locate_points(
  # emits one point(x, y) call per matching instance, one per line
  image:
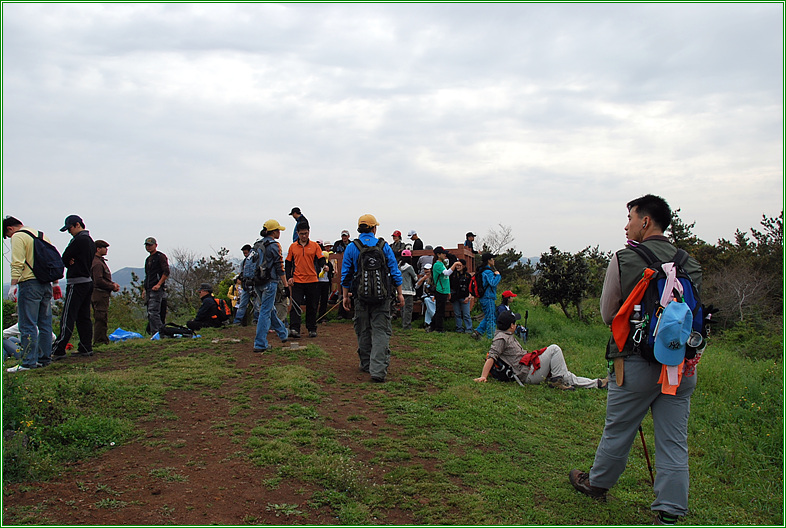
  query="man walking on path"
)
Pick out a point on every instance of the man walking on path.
point(634, 386)
point(372, 320)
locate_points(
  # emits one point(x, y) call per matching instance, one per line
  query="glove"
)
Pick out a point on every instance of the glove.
point(56, 292)
point(12, 292)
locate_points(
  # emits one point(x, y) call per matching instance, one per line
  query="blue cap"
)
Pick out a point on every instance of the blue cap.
point(674, 328)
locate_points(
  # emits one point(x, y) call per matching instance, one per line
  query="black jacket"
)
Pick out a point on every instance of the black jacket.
point(208, 311)
point(81, 249)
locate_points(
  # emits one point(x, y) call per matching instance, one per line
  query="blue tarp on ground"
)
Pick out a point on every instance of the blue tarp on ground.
point(122, 335)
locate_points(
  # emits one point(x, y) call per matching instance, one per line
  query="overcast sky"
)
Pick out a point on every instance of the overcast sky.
point(195, 123)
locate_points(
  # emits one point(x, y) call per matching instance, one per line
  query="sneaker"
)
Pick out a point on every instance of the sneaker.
point(260, 350)
point(294, 333)
point(476, 335)
point(557, 383)
point(580, 481)
point(377, 380)
point(664, 519)
point(18, 368)
point(312, 333)
point(58, 357)
point(83, 354)
point(603, 383)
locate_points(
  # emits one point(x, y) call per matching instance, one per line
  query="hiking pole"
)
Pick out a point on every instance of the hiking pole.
point(324, 314)
point(646, 455)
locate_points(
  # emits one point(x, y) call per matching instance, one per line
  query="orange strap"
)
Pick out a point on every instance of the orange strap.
point(620, 326)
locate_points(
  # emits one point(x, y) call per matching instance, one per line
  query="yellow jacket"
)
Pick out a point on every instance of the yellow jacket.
point(21, 252)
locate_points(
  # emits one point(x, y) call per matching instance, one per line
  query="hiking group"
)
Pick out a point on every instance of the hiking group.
point(650, 299)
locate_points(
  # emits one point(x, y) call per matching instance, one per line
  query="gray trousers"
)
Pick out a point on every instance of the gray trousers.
point(552, 363)
point(625, 409)
point(373, 329)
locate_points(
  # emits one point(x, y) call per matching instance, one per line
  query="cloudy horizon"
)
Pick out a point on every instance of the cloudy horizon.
point(195, 123)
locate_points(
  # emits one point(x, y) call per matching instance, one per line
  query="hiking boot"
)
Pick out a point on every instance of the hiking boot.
point(581, 482)
point(377, 380)
point(558, 383)
point(260, 350)
point(476, 335)
point(312, 333)
point(294, 333)
point(83, 354)
point(58, 357)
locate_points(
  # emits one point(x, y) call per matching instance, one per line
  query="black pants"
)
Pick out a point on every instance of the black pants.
point(304, 293)
point(76, 311)
point(197, 325)
point(438, 321)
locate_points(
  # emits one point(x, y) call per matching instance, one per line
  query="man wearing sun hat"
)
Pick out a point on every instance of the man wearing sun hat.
point(636, 385)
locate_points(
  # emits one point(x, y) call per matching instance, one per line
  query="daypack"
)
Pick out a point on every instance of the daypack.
point(47, 262)
point(174, 330)
point(224, 310)
point(372, 278)
point(501, 371)
point(639, 337)
point(256, 269)
point(476, 287)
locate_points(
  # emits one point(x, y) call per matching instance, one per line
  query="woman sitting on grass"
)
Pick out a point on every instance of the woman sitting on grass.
point(532, 367)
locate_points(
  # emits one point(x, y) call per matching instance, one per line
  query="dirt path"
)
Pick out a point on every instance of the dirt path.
point(200, 472)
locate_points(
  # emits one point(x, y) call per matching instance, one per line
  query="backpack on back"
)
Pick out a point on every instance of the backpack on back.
point(224, 310)
point(476, 288)
point(501, 371)
point(661, 283)
point(372, 278)
point(256, 269)
point(47, 262)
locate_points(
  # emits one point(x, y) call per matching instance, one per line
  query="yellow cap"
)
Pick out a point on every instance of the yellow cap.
point(273, 225)
point(368, 220)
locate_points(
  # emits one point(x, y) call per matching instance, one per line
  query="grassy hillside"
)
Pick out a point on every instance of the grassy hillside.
point(450, 451)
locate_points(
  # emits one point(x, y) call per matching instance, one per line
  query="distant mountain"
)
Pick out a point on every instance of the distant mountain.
point(123, 276)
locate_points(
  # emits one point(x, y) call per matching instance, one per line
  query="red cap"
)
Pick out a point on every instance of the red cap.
point(396, 233)
point(508, 293)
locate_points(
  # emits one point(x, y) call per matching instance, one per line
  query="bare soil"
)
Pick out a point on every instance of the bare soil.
point(220, 485)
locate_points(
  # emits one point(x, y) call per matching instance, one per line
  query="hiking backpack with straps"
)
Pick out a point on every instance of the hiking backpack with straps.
point(47, 262)
point(501, 371)
point(255, 269)
point(224, 310)
point(638, 337)
point(372, 278)
point(476, 288)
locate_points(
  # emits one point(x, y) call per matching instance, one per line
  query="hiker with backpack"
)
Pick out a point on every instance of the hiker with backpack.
point(483, 286)
point(78, 259)
point(369, 278)
point(507, 359)
point(35, 266)
point(269, 266)
point(247, 291)
point(212, 312)
point(460, 297)
point(641, 380)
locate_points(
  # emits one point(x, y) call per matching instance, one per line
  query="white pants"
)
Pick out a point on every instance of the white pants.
point(552, 363)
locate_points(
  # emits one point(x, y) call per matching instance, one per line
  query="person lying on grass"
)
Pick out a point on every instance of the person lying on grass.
point(532, 367)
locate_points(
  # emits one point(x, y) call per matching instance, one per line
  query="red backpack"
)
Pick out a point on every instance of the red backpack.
point(476, 288)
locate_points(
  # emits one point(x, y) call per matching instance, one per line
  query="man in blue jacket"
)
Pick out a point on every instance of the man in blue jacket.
point(372, 319)
point(490, 277)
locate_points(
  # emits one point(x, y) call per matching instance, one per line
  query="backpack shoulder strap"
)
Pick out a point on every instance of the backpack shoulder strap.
point(680, 258)
point(358, 244)
point(645, 253)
